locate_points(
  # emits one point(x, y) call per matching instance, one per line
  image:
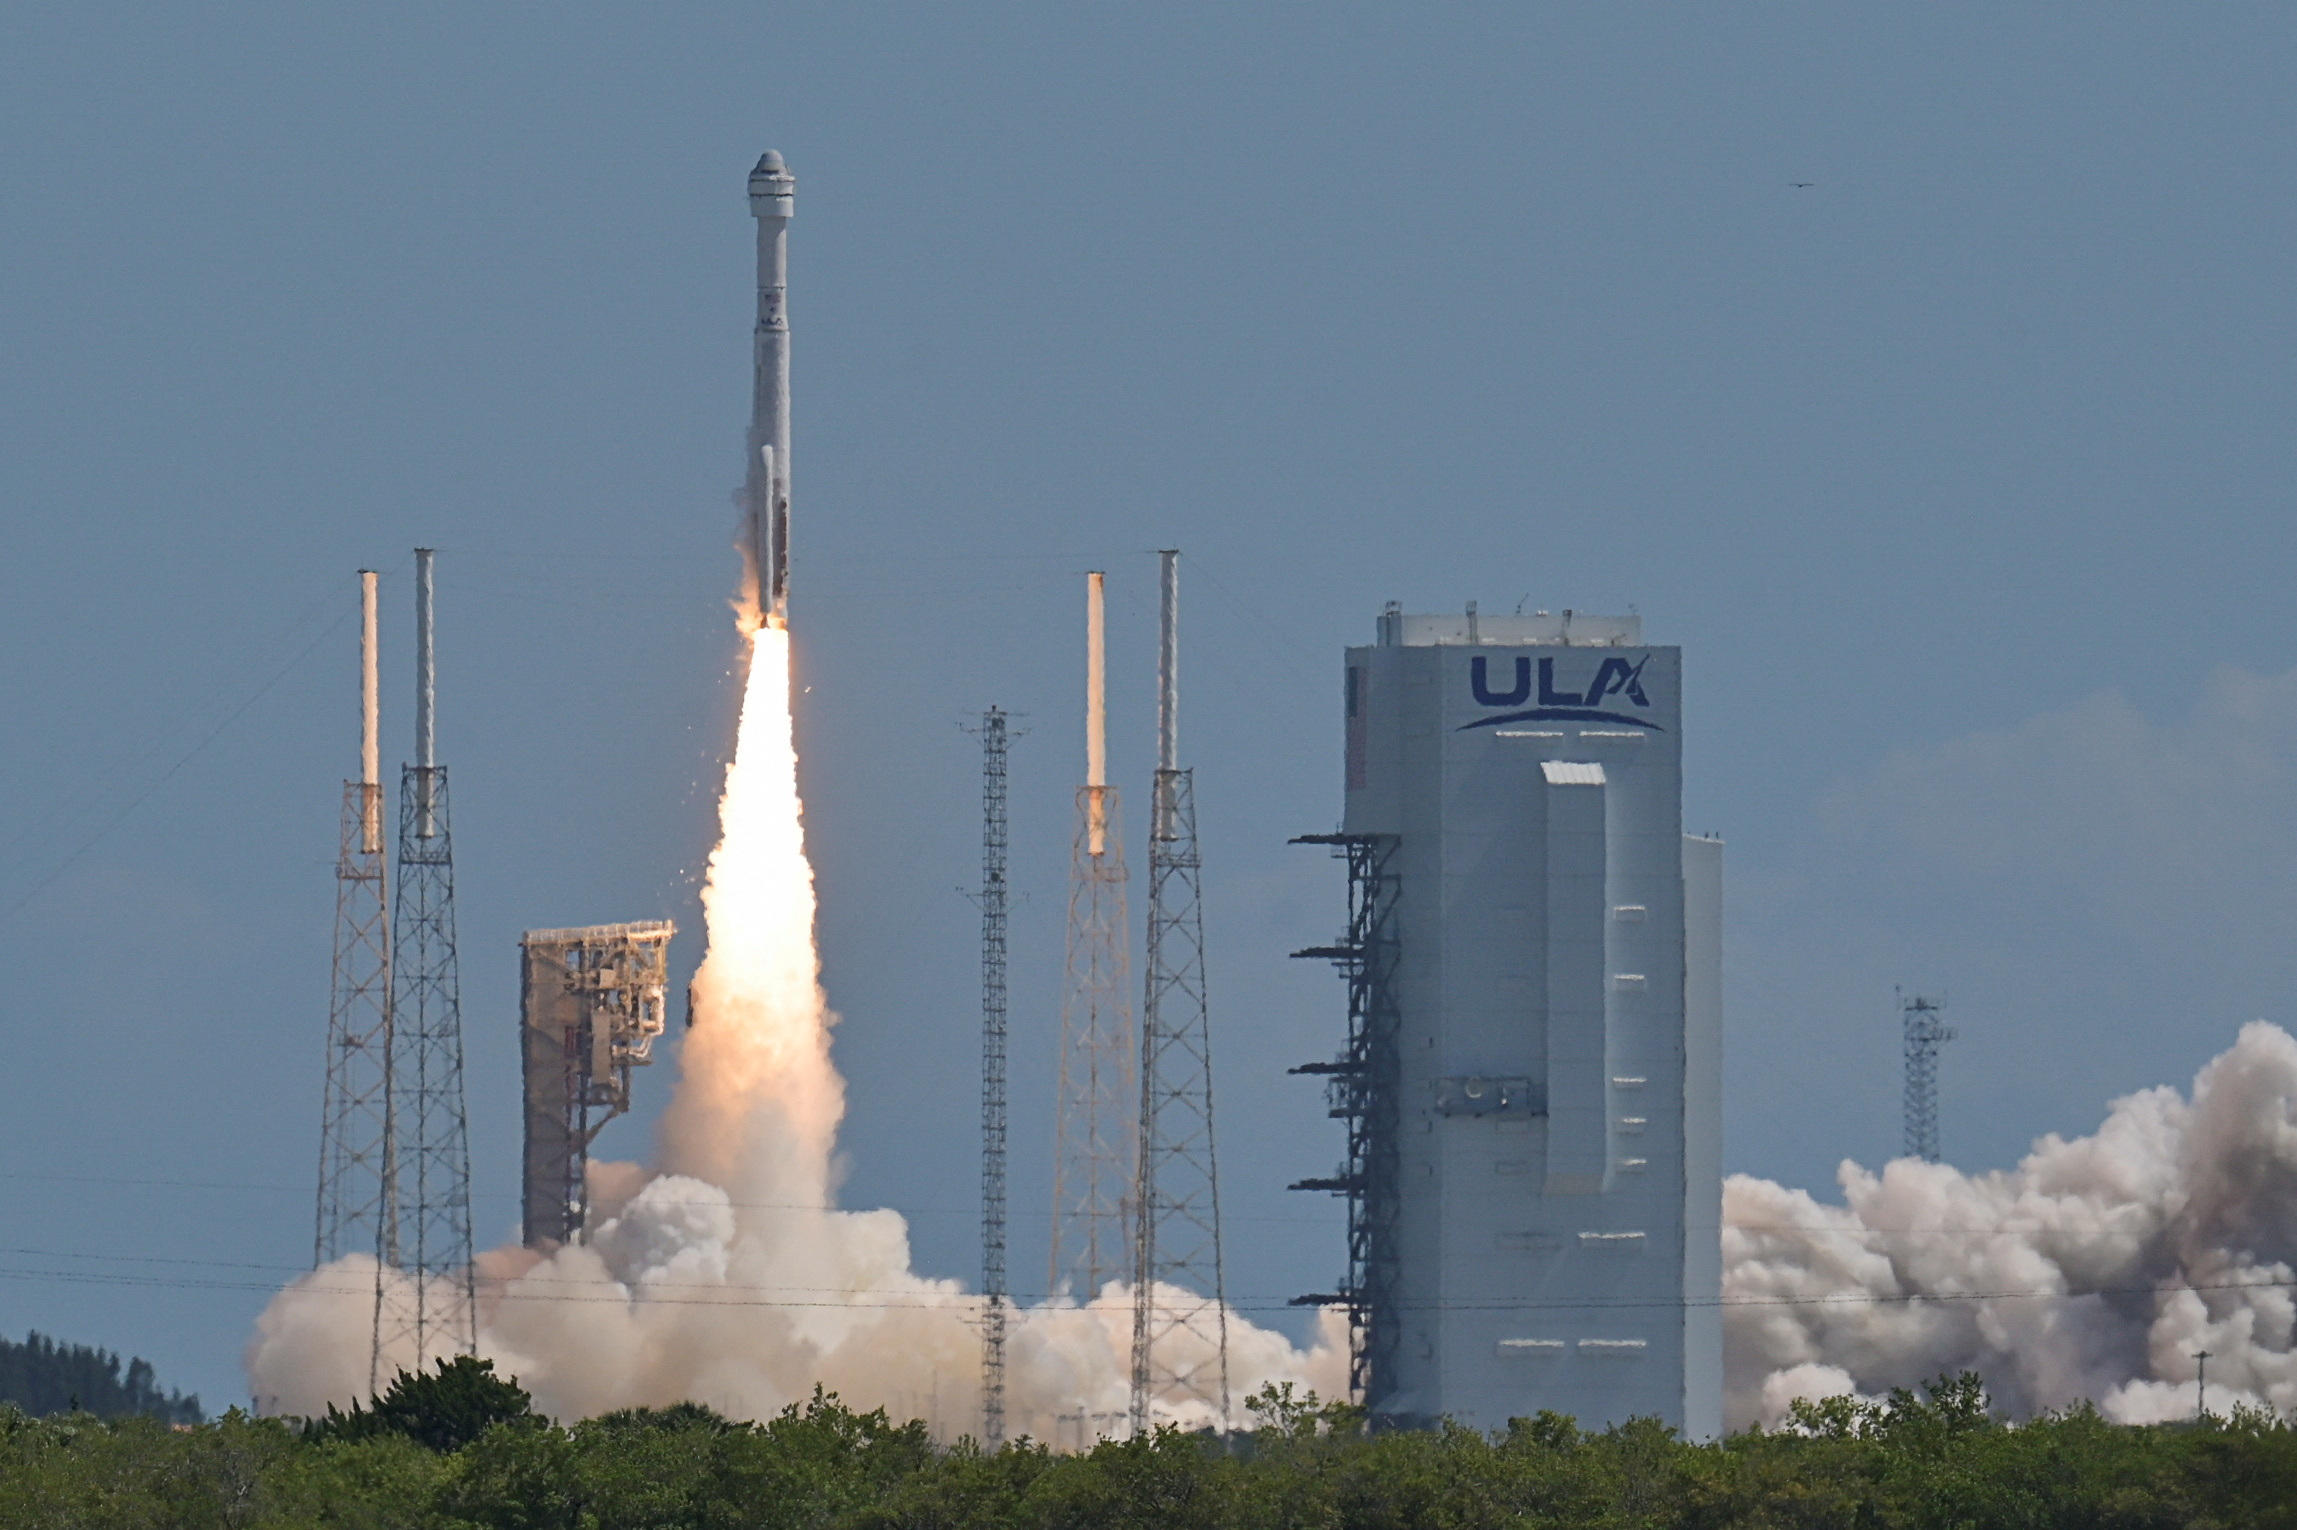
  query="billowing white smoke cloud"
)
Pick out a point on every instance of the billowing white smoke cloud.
point(2095, 1269)
point(722, 1275)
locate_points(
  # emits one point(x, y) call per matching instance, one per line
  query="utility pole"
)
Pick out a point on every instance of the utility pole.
point(1180, 1317)
point(1925, 1032)
point(993, 889)
point(2200, 1384)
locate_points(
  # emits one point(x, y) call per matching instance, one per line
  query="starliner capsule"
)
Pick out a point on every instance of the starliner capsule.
point(766, 493)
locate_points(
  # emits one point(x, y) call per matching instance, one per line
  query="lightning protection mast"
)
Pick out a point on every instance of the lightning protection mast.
point(1094, 1108)
point(1925, 1032)
point(432, 1310)
point(1180, 1317)
point(357, 1153)
point(993, 1293)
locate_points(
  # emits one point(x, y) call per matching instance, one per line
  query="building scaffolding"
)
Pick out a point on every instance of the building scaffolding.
point(591, 1002)
point(1361, 1089)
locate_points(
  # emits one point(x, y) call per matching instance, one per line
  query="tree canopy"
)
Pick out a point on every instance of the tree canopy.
point(41, 1376)
point(461, 1448)
point(440, 1410)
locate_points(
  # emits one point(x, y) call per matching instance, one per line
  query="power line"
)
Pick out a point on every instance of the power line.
point(121, 816)
point(646, 1293)
point(275, 1187)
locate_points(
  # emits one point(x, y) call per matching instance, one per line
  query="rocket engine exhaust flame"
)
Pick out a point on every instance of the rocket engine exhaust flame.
point(726, 1275)
point(723, 1274)
point(2094, 1269)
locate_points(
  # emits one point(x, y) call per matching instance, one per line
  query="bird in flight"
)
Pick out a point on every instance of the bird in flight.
point(1802, 183)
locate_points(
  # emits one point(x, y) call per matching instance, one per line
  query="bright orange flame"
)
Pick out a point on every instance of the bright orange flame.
point(758, 1103)
point(726, 1278)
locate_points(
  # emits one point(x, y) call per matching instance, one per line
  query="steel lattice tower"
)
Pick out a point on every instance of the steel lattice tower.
point(357, 1156)
point(993, 744)
point(1925, 1032)
point(1094, 1109)
point(434, 1311)
point(1180, 1316)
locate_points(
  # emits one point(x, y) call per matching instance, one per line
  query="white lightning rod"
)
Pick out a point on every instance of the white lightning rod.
point(370, 726)
point(1096, 717)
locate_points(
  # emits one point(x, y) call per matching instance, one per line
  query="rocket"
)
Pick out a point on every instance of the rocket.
point(766, 491)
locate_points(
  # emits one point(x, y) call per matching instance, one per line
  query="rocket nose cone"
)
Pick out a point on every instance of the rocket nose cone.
point(772, 187)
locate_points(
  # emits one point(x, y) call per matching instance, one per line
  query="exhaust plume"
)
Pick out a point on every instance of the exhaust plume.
point(724, 1274)
point(2093, 1270)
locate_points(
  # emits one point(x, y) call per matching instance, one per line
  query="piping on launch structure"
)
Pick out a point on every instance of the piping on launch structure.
point(766, 492)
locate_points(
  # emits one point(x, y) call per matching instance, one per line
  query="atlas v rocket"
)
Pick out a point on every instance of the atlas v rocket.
point(766, 493)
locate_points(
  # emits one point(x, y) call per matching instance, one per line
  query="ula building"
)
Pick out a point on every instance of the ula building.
point(1531, 1082)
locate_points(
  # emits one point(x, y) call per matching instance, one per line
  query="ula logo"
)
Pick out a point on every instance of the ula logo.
point(1613, 677)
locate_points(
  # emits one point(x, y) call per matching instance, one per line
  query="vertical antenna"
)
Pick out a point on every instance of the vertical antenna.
point(1180, 1317)
point(1094, 1109)
point(430, 1309)
point(357, 1154)
point(993, 742)
point(1924, 1032)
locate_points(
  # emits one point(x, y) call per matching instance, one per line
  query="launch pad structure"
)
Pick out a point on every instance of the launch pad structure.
point(1531, 1077)
point(1180, 1309)
point(591, 1002)
point(1361, 1088)
point(434, 1311)
point(1094, 1107)
point(394, 1136)
point(357, 1198)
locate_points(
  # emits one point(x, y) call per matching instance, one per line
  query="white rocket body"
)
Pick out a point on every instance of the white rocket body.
point(766, 493)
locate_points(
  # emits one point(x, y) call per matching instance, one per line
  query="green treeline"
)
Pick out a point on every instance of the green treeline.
point(463, 1448)
point(40, 1376)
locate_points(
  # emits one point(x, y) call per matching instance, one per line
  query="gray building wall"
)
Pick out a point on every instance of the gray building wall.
point(1556, 1242)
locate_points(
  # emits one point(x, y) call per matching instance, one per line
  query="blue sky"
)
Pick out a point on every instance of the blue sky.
point(1960, 474)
